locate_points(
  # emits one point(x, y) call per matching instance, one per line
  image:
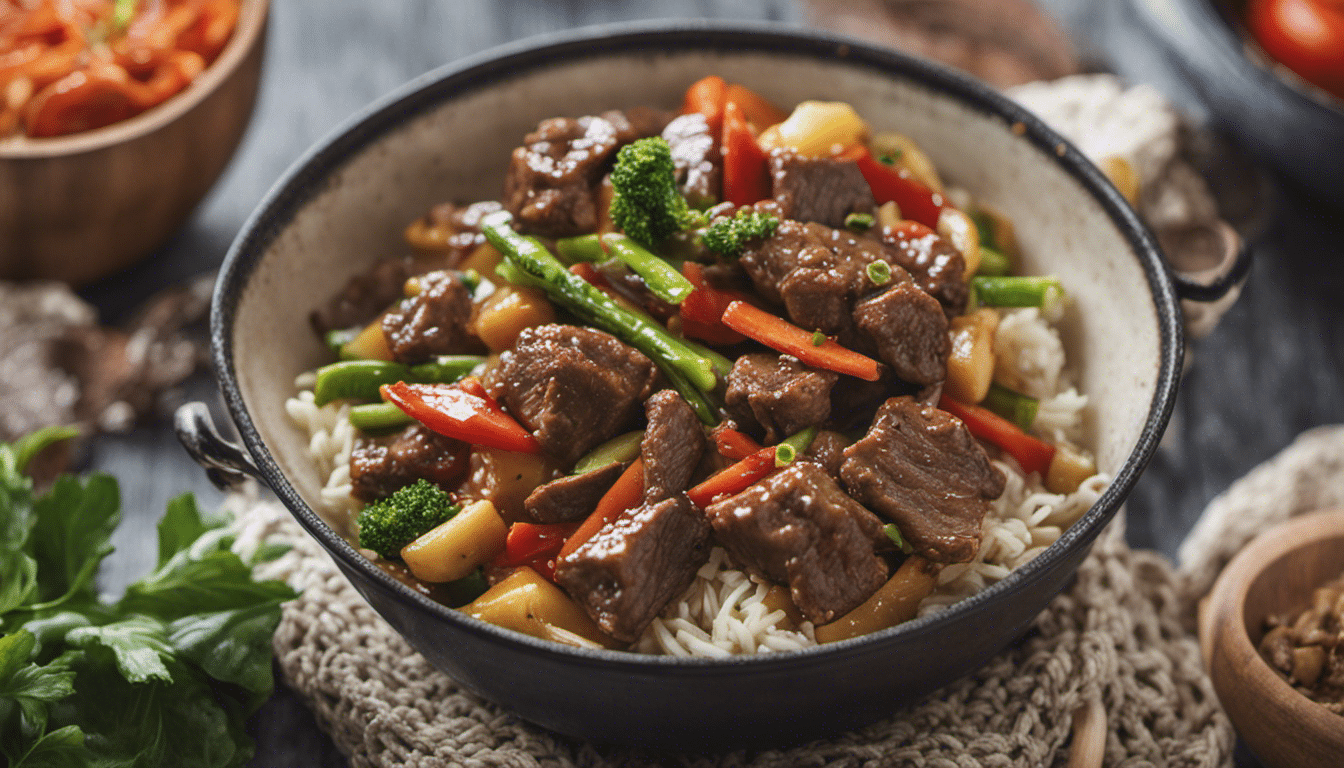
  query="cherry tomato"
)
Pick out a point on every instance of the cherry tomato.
point(1307, 36)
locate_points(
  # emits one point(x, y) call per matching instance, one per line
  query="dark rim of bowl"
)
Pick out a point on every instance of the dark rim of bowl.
point(304, 180)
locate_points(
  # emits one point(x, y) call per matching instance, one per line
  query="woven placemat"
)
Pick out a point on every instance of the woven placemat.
point(1120, 636)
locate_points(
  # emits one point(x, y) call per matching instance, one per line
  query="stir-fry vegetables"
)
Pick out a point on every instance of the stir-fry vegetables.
point(696, 368)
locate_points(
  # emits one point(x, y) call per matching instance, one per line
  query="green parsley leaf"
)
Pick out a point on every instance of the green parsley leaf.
point(72, 535)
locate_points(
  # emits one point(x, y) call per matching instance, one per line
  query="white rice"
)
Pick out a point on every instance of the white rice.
point(722, 612)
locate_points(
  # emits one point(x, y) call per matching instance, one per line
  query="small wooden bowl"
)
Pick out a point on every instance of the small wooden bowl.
point(80, 207)
point(1275, 573)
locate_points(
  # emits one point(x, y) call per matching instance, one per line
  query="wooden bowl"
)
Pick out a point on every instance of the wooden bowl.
point(83, 206)
point(1275, 573)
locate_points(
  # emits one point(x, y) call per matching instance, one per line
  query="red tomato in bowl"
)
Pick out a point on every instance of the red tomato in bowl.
point(1307, 36)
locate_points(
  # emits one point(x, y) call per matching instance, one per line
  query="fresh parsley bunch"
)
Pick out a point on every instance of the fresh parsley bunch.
point(166, 675)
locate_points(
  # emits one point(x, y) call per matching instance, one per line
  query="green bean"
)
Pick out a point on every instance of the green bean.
point(620, 448)
point(1014, 406)
point(993, 263)
point(665, 281)
point(693, 374)
point(360, 379)
point(1009, 291)
point(378, 417)
point(790, 447)
point(572, 250)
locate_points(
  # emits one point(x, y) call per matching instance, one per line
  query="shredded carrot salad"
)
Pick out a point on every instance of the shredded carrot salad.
point(74, 65)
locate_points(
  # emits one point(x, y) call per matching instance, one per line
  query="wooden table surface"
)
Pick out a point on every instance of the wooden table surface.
point(1272, 368)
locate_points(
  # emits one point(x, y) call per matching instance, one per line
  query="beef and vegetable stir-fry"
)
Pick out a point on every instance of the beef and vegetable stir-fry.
point(725, 380)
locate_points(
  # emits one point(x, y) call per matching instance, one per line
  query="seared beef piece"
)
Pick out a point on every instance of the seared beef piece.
point(460, 228)
point(433, 322)
point(935, 265)
point(364, 296)
point(634, 565)
point(672, 446)
point(821, 276)
point(553, 179)
point(572, 387)
point(827, 450)
point(551, 186)
point(820, 189)
point(909, 330)
point(571, 497)
point(817, 273)
point(797, 527)
point(920, 467)
point(779, 393)
point(695, 150)
point(378, 467)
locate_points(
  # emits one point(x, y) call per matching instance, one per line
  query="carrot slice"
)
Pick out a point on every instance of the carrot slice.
point(1032, 454)
point(734, 445)
point(781, 335)
point(734, 479)
point(625, 494)
point(706, 96)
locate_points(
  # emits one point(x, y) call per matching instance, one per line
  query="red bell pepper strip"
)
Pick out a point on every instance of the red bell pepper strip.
point(535, 545)
point(889, 183)
point(707, 96)
point(1031, 454)
point(781, 335)
point(451, 411)
point(734, 479)
point(625, 494)
point(734, 445)
point(757, 110)
point(702, 311)
point(528, 541)
point(746, 175)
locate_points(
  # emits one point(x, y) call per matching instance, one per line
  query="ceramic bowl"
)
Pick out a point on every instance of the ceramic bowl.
point(80, 207)
point(1273, 575)
point(448, 136)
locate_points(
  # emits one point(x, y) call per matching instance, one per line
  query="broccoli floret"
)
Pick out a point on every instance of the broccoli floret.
point(387, 525)
point(647, 205)
point(728, 235)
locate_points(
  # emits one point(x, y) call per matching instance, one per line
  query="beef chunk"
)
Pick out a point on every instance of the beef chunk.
point(820, 189)
point(797, 527)
point(695, 151)
point(910, 331)
point(634, 565)
point(817, 273)
point(827, 450)
point(937, 268)
point(433, 322)
point(378, 467)
point(572, 387)
point(779, 393)
point(672, 446)
point(551, 186)
point(364, 296)
point(920, 467)
point(637, 122)
point(572, 497)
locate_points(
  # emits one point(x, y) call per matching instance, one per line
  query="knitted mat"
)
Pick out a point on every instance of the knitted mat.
point(1120, 636)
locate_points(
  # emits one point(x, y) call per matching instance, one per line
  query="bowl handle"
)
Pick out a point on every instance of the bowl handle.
point(225, 463)
point(1207, 294)
point(1191, 289)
